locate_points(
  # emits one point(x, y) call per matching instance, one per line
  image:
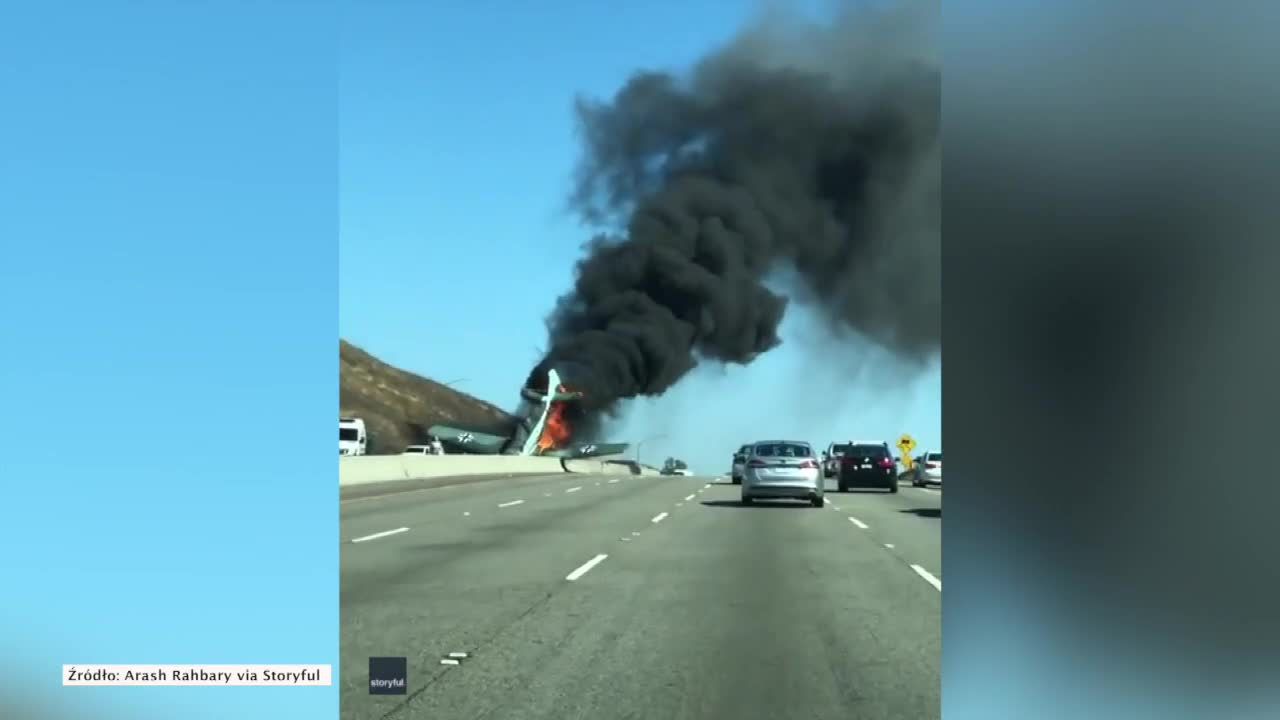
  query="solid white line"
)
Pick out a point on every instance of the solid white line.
point(658, 518)
point(375, 536)
point(509, 504)
point(858, 522)
point(691, 496)
point(574, 489)
point(929, 578)
point(586, 566)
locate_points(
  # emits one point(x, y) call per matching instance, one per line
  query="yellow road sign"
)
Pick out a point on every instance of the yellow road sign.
point(906, 444)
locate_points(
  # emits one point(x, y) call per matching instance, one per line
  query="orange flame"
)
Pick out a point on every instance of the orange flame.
point(557, 431)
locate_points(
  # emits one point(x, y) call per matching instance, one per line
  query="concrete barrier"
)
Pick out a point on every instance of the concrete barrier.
point(381, 469)
point(620, 467)
point(371, 468)
point(594, 466)
point(366, 469)
point(582, 466)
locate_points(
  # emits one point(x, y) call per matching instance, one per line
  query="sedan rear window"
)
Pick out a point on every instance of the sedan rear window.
point(783, 450)
point(933, 457)
point(867, 451)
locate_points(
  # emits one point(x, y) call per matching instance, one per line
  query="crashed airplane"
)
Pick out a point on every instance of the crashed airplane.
point(541, 430)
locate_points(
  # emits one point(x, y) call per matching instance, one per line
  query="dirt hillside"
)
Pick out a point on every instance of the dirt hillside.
point(398, 406)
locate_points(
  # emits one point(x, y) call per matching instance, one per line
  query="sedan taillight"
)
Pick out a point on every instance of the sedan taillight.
point(809, 465)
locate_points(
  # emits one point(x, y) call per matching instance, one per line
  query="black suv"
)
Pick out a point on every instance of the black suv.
point(866, 465)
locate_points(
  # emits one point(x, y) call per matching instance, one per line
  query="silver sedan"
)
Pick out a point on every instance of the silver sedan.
point(785, 469)
point(928, 470)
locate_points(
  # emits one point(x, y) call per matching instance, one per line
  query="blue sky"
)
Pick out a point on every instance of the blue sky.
point(457, 150)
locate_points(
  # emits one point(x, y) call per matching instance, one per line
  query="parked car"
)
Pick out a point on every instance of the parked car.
point(675, 467)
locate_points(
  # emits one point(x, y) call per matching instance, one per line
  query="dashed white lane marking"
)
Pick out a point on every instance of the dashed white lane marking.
point(585, 567)
point(613, 481)
point(928, 577)
point(509, 504)
point(691, 496)
point(466, 513)
point(658, 518)
point(574, 489)
point(546, 494)
point(635, 533)
point(449, 661)
point(704, 487)
point(679, 504)
point(597, 484)
point(459, 655)
point(889, 545)
point(375, 536)
point(858, 522)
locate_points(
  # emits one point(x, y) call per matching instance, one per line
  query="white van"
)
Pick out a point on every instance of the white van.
point(352, 438)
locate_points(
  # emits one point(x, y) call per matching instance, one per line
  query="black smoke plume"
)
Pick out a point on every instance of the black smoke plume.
point(806, 150)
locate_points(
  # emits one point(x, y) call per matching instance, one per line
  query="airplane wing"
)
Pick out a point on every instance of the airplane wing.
point(459, 440)
point(597, 450)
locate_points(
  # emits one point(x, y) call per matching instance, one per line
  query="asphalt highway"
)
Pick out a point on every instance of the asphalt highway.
point(606, 597)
